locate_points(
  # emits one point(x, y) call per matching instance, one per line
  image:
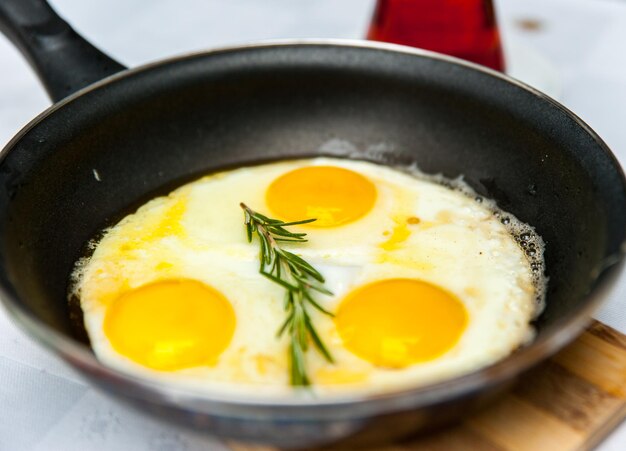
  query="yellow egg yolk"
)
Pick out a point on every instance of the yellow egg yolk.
point(170, 324)
point(333, 195)
point(398, 322)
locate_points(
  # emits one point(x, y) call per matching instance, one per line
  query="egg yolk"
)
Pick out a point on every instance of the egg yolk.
point(333, 195)
point(398, 322)
point(170, 324)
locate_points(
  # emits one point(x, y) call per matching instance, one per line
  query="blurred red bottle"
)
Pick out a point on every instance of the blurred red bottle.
point(463, 28)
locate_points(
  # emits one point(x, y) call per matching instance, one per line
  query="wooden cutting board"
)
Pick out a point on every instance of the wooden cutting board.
point(571, 402)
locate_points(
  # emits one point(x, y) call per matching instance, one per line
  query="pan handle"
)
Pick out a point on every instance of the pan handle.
point(62, 59)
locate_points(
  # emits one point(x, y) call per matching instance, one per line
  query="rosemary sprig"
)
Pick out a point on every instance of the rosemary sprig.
point(300, 281)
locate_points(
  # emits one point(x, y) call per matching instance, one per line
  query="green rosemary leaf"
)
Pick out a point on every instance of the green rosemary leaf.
point(314, 303)
point(264, 219)
point(285, 325)
point(249, 232)
point(319, 344)
point(300, 325)
point(298, 371)
point(279, 231)
point(304, 221)
point(276, 265)
point(279, 281)
point(320, 289)
point(304, 265)
point(288, 300)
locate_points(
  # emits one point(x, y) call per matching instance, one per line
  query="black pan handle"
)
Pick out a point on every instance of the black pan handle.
point(63, 60)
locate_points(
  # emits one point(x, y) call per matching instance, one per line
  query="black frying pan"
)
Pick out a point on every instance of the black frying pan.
point(149, 129)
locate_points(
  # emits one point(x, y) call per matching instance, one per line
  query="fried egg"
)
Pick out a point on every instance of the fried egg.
point(428, 281)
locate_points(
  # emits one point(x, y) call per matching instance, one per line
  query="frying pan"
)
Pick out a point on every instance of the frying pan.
point(107, 146)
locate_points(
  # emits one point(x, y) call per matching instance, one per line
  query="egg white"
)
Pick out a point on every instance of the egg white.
point(197, 233)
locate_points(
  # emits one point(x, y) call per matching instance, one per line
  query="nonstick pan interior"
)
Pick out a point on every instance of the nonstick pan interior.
point(91, 159)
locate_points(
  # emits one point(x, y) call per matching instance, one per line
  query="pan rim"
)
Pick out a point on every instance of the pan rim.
point(392, 400)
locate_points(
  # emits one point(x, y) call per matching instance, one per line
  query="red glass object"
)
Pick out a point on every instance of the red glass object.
point(463, 28)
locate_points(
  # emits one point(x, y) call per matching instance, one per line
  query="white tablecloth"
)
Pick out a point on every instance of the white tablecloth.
point(577, 53)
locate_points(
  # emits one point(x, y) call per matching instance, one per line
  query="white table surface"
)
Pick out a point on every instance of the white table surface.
point(577, 54)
